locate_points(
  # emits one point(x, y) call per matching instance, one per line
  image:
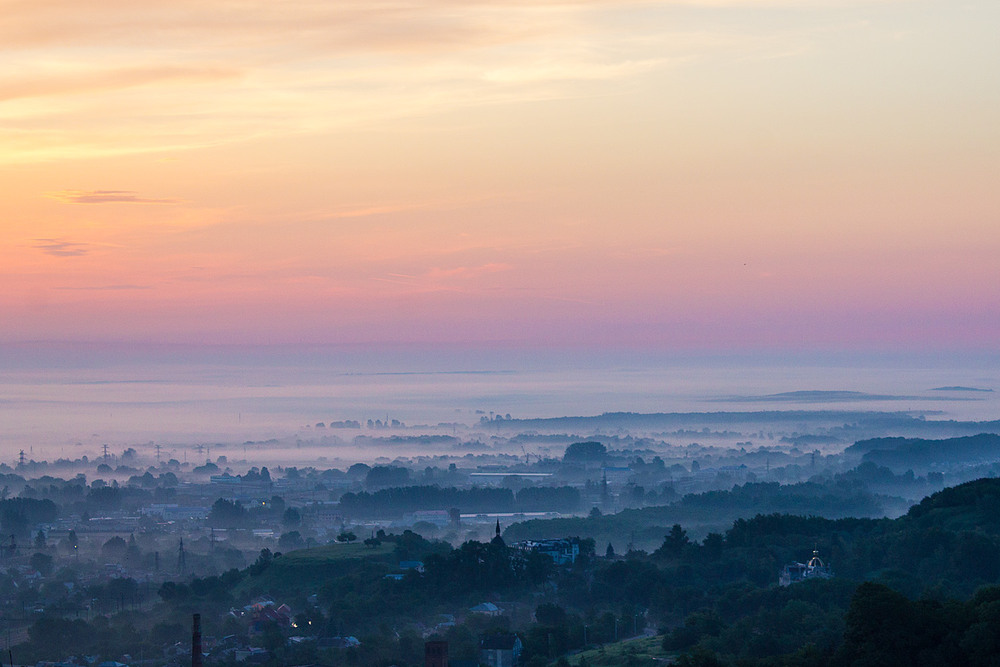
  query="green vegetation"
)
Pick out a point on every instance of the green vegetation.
point(320, 556)
point(922, 589)
point(397, 501)
point(714, 511)
point(304, 571)
point(637, 652)
point(918, 454)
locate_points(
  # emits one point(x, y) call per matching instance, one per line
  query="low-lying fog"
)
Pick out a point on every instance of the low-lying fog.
point(64, 403)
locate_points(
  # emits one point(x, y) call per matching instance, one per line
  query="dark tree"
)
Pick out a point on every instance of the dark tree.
point(673, 543)
point(583, 452)
point(291, 518)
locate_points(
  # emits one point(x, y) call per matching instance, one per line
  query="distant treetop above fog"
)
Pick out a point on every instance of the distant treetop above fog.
point(580, 452)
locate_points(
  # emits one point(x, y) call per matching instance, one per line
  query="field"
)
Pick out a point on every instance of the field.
point(335, 552)
point(304, 571)
point(638, 652)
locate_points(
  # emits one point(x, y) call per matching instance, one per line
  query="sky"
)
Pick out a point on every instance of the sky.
point(688, 174)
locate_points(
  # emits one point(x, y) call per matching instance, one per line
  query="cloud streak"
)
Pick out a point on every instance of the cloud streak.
point(206, 73)
point(62, 248)
point(106, 197)
point(105, 288)
point(467, 271)
point(246, 167)
point(43, 83)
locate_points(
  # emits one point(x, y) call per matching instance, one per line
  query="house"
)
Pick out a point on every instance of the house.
point(177, 650)
point(32, 576)
point(411, 565)
point(797, 572)
point(616, 474)
point(487, 608)
point(502, 650)
point(406, 566)
point(175, 512)
point(445, 621)
point(263, 614)
point(252, 654)
point(561, 551)
point(337, 642)
point(440, 518)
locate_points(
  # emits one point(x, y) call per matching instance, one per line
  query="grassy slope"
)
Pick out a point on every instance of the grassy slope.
point(307, 569)
point(320, 556)
point(644, 651)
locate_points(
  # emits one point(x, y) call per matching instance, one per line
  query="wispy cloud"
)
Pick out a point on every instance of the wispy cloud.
point(566, 299)
point(62, 248)
point(105, 288)
point(456, 279)
point(106, 197)
point(206, 73)
point(373, 210)
point(44, 83)
point(573, 70)
point(467, 271)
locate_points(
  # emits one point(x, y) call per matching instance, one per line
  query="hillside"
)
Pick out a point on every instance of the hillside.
point(922, 455)
point(303, 571)
point(713, 511)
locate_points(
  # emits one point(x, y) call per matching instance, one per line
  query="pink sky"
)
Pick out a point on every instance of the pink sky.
point(698, 173)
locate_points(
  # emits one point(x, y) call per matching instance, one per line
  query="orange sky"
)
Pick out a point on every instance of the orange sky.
point(700, 173)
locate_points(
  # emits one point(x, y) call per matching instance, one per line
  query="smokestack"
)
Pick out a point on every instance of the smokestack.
point(196, 642)
point(436, 654)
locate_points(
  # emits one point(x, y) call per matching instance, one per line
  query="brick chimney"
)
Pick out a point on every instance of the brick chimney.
point(196, 642)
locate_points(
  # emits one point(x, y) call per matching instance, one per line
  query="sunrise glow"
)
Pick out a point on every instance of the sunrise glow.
point(717, 173)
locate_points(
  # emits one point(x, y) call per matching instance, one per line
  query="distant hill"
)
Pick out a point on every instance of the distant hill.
point(971, 506)
point(685, 419)
point(303, 571)
point(960, 388)
point(851, 424)
point(713, 511)
point(919, 454)
point(818, 396)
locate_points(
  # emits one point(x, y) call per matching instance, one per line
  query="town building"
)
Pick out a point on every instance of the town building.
point(561, 551)
point(797, 572)
point(502, 650)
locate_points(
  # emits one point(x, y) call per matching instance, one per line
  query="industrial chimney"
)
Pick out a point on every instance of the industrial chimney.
point(196, 642)
point(436, 654)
